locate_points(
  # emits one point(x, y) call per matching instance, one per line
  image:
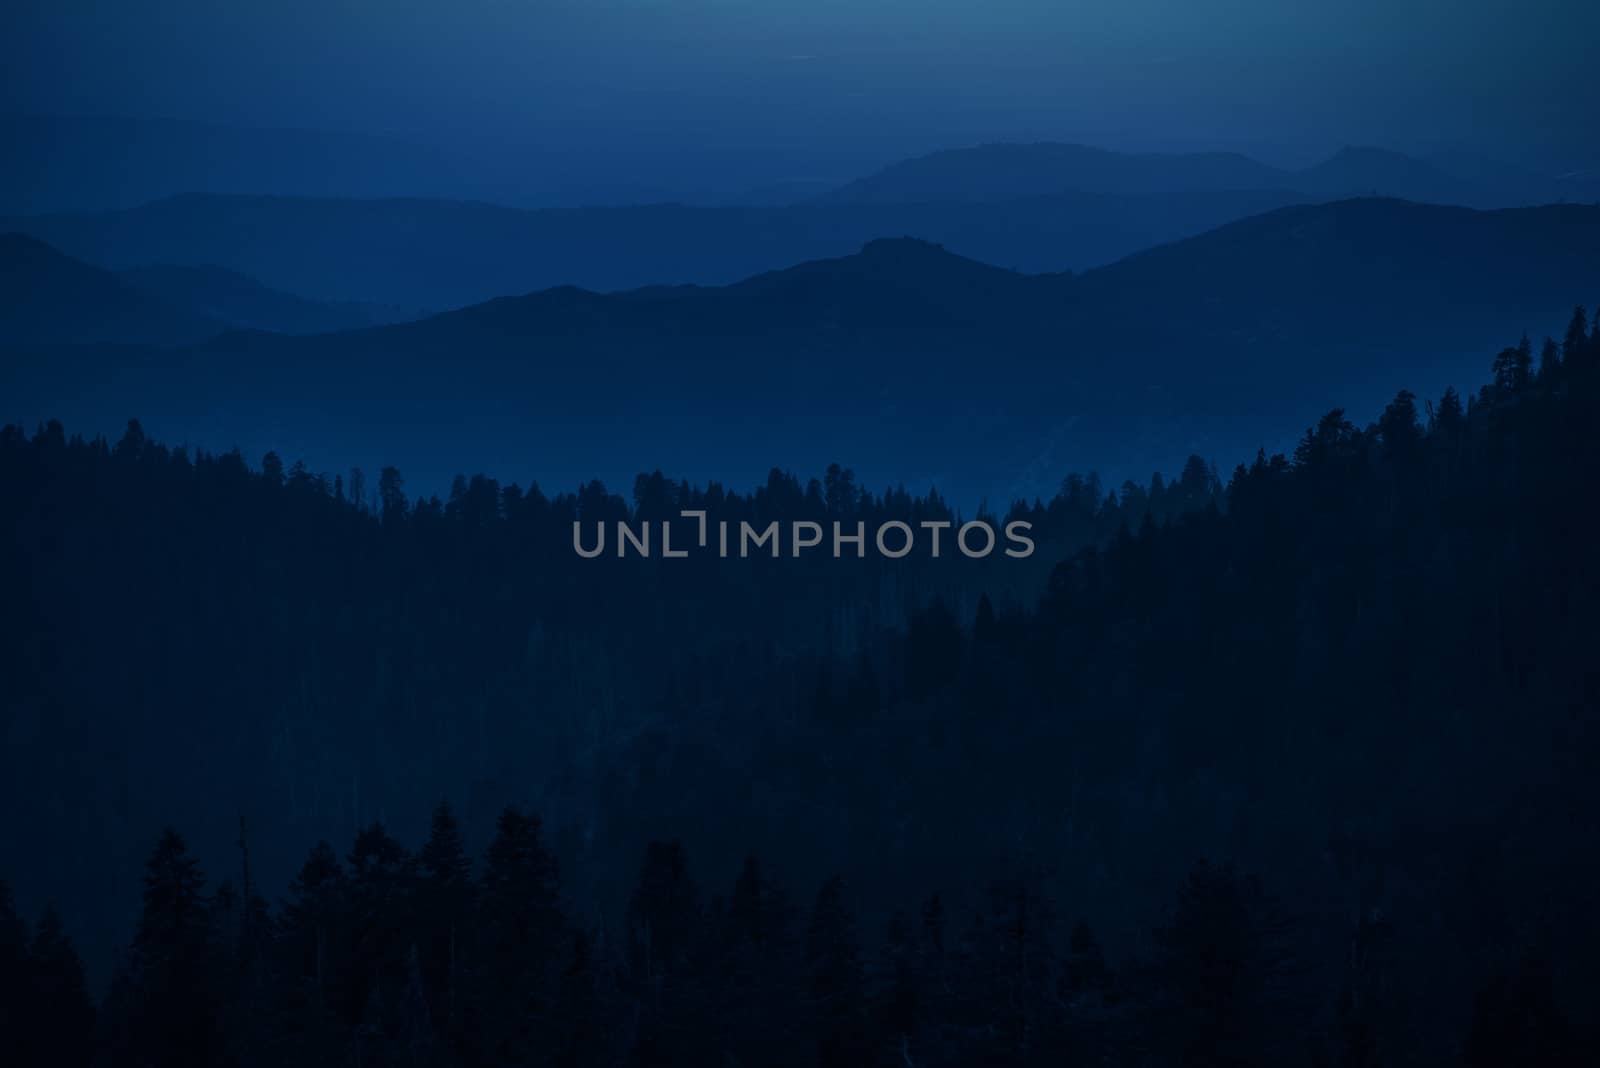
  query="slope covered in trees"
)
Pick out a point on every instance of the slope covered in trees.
point(1360, 674)
point(315, 651)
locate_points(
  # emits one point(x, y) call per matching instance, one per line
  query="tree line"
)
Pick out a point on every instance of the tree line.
point(387, 956)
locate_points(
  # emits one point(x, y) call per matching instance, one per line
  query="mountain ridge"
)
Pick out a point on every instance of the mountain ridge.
point(439, 254)
point(242, 302)
point(432, 254)
point(47, 296)
point(1001, 170)
point(51, 297)
point(923, 366)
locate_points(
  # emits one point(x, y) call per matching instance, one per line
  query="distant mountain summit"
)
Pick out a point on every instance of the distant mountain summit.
point(889, 283)
point(1379, 172)
point(996, 172)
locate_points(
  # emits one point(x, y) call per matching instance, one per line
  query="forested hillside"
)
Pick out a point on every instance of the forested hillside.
point(1308, 752)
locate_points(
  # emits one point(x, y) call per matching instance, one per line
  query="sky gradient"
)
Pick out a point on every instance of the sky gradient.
point(718, 94)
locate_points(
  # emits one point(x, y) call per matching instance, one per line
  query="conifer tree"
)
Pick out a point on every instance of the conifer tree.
point(663, 913)
point(444, 906)
point(578, 1038)
point(1226, 971)
point(382, 885)
point(518, 943)
point(62, 1023)
point(760, 996)
point(1575, 342)
point(172, 1010)
point(836, 981)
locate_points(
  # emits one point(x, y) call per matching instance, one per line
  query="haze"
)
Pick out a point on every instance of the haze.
point(684, 96)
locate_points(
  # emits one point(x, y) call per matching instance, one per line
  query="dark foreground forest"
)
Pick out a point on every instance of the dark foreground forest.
point(1295, 769)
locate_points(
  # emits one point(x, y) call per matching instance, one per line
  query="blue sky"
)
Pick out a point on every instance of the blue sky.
point(723, 93)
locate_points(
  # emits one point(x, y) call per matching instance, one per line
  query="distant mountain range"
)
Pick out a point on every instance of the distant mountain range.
point(1035, 208)
point(99, 163)
point(1010, 171)
point(444, 254)
point(910, 362)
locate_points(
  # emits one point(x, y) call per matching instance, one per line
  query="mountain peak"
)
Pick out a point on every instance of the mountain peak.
point(1368, 169)
point(901, 249)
